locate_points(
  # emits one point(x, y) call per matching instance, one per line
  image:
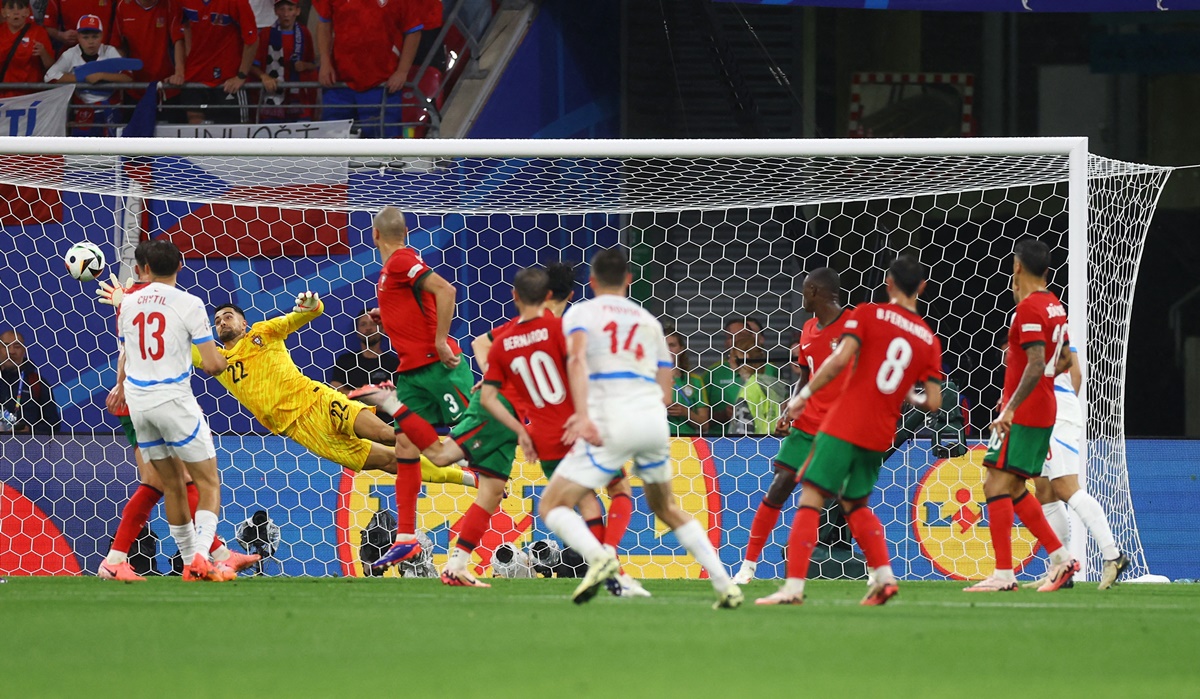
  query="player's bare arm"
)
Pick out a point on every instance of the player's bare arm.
point(1076, 372)
point(481, 346)
point(666, 381)
point(489, 397)
point(829, 371)
point(1064, 361)
point(930, 400)
point(211, 359)
point(444, 296)
point(1035, 353)
point(580, 424)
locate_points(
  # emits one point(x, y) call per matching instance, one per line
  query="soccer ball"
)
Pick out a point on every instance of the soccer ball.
point(84, 261)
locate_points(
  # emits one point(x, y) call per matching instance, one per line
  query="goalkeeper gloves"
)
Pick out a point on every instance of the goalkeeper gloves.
point(306, 302)
point(111, 293)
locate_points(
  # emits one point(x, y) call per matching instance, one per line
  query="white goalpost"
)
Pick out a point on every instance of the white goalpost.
point(715, 229)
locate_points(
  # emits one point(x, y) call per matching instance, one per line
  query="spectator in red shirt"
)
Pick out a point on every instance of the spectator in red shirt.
point(151, 31)
point(285, 53)
point(428, 13)
point(62, 16)
point(216, 30)
point(357, 41)
point(33, 55)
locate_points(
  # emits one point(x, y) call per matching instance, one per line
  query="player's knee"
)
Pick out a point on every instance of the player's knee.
point(1065, 488)
point(781, 487)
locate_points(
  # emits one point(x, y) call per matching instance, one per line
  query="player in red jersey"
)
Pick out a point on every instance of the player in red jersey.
point(892, 350)
point(152, 32)
point(223, 36)
point(1037, 340)
point(818, 338)
point(416, 306)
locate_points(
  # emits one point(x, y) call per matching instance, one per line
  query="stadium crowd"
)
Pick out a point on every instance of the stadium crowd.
point(227, 61)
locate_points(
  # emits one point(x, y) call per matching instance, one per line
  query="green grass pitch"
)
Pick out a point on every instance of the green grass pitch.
point(74, 637)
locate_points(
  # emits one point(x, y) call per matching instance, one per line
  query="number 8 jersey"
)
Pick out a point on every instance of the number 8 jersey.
point(897, 350)
point(1040, 319)
point(158, 325)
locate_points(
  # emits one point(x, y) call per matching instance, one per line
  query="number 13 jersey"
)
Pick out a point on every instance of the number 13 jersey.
point(896, 351)
point(625, 349)
point(1040, 319)
point(159, 324)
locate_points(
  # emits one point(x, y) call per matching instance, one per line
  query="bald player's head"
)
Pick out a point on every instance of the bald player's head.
point(389, 226)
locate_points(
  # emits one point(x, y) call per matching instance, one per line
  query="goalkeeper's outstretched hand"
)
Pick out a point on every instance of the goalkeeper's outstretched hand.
point(306, 302)
point(111, 293)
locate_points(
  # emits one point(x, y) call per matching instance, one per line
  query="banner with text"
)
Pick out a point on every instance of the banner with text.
point(295, 129)
point(39, 114)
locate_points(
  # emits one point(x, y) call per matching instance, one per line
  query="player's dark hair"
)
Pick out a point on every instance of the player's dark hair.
point(827, 278)
point(562, 280)
point(531, 285)
point(609, 267)
point(907, 273)
point(746, 321)
point(160, 256)
point(236, 309)
point(1034, 256)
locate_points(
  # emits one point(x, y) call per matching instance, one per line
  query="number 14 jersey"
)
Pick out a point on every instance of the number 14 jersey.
point(528, 363)
point(896, 351)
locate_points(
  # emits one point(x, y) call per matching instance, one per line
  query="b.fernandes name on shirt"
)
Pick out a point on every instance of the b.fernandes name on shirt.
point(890, 316)
point(513, 342)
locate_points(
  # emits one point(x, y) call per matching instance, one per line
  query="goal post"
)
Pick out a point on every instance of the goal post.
point(715, 229)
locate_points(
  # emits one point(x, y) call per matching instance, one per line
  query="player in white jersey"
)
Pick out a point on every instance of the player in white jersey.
point(619, 370)
point(158, 324)
point(1059, 483)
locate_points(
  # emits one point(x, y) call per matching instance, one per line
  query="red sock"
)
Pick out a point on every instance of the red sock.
point(1034, 519)
point(802, 541)
point(408, 490)
point(193, 494)
point(472, 527)
point(416, 428)
point(765, 519)
point(596, 527)
point(620, 511)
point(867, 530)
point(1000, 524)
point(134, 516)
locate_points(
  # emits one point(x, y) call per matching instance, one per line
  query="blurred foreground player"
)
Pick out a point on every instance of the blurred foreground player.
point(892, 350)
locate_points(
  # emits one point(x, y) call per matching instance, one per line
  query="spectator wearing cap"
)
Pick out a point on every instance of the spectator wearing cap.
point(152, 32)
point(285, 54)
point(62, 19)
point(33, 52)
point(369, 45)
point(223, 40)
point(92, 116)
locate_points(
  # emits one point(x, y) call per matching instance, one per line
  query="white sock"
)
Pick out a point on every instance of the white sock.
point(470, 480)
point(406, 536)
point(871, 578)
point(884, 574)
point(1056, 515)
point(185, 538)
point(693, 538)
point(459, 560)
point(221, 554)
point(1092, 515)
point(1005, 575)
point(1059, 557)
point(206, 530)
point(116, 558)
point(574, 532)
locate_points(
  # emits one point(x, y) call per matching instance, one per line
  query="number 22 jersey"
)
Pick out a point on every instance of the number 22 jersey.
point(528, 362)
point(897, 350)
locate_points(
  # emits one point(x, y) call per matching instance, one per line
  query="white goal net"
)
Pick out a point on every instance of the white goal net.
point(716, 231)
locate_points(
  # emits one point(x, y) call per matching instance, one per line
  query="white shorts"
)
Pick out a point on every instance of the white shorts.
point(641, 436)
point(1063, 459)
point(175, 428)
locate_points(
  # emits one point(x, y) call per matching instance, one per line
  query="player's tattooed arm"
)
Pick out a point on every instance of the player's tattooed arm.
point(1035, 367)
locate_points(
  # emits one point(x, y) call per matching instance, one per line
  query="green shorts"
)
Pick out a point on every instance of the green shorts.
point(794, 449)
point(1022, 452)
point(436, 393)
point(548, 466)
point(489, 446)
point(130, 433)
point(841, 468)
